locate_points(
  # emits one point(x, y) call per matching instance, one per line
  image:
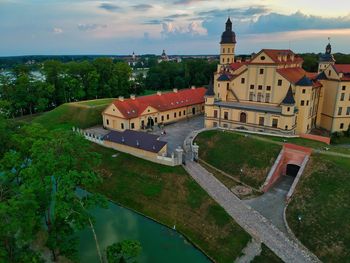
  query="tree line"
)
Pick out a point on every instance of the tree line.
point(41, 176)
point(23, 93)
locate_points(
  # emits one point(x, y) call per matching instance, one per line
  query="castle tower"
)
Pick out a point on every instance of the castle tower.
point(227, 44)
point(326, 59)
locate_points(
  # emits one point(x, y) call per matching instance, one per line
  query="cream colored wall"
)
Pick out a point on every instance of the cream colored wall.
point(115, 121)
point(227, 53)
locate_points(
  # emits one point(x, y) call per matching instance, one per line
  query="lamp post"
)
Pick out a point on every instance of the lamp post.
point(299, 223)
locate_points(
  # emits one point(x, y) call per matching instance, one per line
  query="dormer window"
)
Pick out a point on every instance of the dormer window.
point(262, 58)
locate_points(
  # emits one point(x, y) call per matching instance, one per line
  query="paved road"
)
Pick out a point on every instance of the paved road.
point(177, 132)
point(253, 222)
point(272, 203)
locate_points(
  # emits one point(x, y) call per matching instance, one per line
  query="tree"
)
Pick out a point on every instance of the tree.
point(123, 252)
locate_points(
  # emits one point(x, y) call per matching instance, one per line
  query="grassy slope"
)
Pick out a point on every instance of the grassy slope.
point(266, 256)
point(72, 114)
point(232, 152)
point(322, 199)
point(169, 195)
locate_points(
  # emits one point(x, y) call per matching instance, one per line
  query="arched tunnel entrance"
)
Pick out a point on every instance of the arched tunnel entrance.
point(292, 170)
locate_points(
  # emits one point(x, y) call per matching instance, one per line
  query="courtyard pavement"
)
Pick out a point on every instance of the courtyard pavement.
point(177, 132)
point(272, 203)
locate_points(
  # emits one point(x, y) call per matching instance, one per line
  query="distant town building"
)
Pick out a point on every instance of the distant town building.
point(271, 92)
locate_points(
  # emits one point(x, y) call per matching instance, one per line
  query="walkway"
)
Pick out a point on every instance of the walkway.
point(253, 222)
point(272, 203)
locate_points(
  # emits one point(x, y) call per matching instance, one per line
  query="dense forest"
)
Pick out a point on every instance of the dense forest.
point(22, 92)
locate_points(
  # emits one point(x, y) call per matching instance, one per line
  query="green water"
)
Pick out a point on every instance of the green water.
point(159, 243)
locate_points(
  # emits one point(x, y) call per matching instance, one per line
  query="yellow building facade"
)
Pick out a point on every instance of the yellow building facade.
point(272, 93)
point(141, 113)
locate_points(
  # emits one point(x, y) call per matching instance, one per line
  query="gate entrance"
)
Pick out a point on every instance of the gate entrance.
point(292, 169)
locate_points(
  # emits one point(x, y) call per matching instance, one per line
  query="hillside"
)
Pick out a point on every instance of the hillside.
point(79, 114)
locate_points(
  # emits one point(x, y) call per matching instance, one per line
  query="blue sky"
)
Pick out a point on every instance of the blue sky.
point(178, 26)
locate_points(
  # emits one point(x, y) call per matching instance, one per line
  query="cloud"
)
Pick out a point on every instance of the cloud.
point(275, 22)
point(91, 27)
point(57, 30)
point(153, 22)
point(109, 7)
point(236, 13)
point(171, 30)
point(142, 7)
point(187, 2)
point(178, 16)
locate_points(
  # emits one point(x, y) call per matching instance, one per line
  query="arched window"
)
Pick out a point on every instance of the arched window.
point(243, 117)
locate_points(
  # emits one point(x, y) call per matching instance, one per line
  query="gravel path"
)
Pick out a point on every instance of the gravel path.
point(254, 223)
point(252, 250)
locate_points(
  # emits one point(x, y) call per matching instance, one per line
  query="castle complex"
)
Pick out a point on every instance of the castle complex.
point(271, 92)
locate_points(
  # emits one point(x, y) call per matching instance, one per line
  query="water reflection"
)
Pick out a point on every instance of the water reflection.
point(159, 243)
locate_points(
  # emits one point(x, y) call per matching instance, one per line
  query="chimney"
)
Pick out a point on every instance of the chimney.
point(121, 98)
point(175, 90)
point(132, 96)
point(193, 87)
point(159, 93)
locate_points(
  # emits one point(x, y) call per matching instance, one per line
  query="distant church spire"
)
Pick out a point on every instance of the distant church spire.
point(329, 47)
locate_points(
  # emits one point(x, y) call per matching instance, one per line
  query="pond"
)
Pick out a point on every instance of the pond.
point(159, 243)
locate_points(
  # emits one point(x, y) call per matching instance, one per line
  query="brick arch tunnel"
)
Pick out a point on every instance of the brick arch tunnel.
point(288, 163)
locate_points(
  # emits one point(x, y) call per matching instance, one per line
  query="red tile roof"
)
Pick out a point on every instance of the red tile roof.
point(132, 108)
point(275, 53)
point(237, 65)
point(293, 75)
point(342, 68)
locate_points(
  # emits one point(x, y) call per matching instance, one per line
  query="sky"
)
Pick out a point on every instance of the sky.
point(119, 27)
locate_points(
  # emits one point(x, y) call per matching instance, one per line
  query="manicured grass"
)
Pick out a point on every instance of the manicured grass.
point(72, 114)
point(98, 102)
point(322, 200)
point(266, 256)
point(172, 197)
point(231, 152)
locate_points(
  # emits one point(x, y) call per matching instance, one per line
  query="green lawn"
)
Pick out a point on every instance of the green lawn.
point(322, 199)
point(266, 256)
point(172, 197)
point(98, 102)
point(231, 152)
point(71, 114)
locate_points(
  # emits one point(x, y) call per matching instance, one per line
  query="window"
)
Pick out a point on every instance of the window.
point(179, 113)
point(342, 97)
point(288, 109)
point(267, 97)
point(348, 111)
point(286, 127)
point(307, 103)
point(343, 88)
point(162, 118)
point(223, 50)
point(274, 123)
point(132, 125)
point(261, 121)
point(122, 126)
point(260, 87)
point(279, 82)
point(251, 96)
point(225, 125)
point(228, 50)
point(223, 61)
point(259, 97)
point(262, 57)
point(302, 103)
point(215, 124)
point(167, 116)
point(107, 122)
point(155, 119)
point(261, 71)
point(142, 124)
point(341, 125)
point(268, 88)
point(243, 117)
point(215, 113)
point(228, 60)
point(329, 72)
point(184, 112)
point(304, 90)
point(251, 86)
point(228, 86)
point(340, 109)
point(226, 115)
point(242, 80)
point(174, 114)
